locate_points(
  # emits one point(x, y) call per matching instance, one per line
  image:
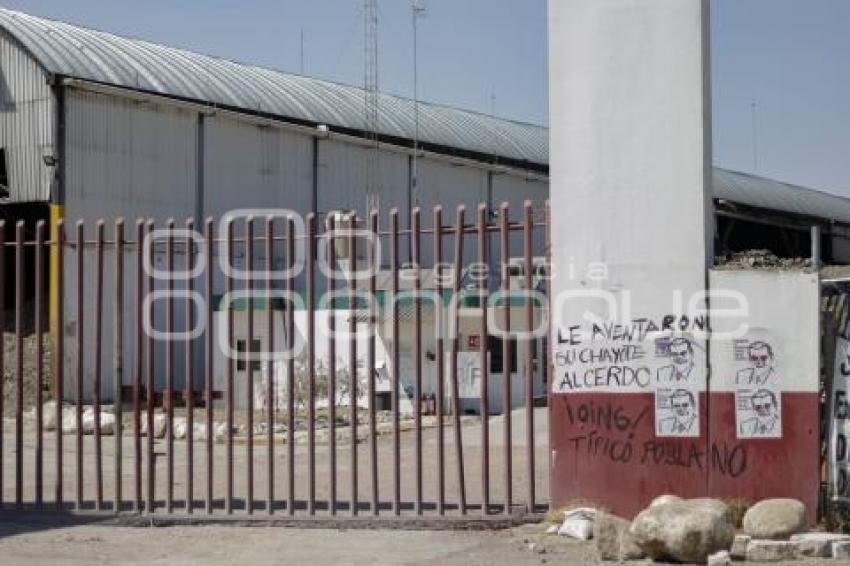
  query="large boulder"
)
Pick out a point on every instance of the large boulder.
point(775, 519)
point(686, 531)
point(613, 540)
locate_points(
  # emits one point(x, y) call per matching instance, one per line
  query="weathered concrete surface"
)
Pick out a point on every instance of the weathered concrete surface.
point(739, 547)
point(771, 550)
point(817, 545)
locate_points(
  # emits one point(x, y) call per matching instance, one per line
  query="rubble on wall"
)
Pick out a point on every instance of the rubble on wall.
point(761, 260)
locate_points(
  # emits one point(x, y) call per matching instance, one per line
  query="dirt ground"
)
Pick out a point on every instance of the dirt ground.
point(45, 544)
point(223, 545)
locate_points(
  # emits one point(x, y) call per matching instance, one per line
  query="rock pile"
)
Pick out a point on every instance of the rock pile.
point(703, 531)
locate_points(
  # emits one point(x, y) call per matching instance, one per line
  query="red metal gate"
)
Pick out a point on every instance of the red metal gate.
point(142, 318)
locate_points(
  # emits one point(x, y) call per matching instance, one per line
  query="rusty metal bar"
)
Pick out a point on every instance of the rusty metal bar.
point(58, 357)
point(331, 285)
point(270, 364)
point(139, 368)
point(440, 359)
point(39, 362)
point(19, 365)
point(396, 378)
point(118, 361)
point(417, 351)
point(169, 368)
point(311, 363)
point(458, 269)
point(189, 379)
point(249, 364)
point(483, 289)
point(3, 356)
point(528, 226)
point(507, 367)
point(208, 366)
point(374, 262)
point(352, 359)
point(290, 369)
point(96, 343)
point(81, 242)
point(150, 393)
point(228, 501)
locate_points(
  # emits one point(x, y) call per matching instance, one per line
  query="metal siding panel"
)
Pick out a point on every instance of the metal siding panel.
point(251, 166)
point(26, 124)
point(342, 178)
point(128, 158)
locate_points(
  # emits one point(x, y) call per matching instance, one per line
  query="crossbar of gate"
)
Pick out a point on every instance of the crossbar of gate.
point(60, 374)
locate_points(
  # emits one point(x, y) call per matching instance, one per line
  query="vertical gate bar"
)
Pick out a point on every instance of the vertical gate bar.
point(417, 352)
point(483, 288)
point(311, 363)
point(150, 388)
point(228, 278)
point(19, 365)
point(3, 355)
point(39, 363)
point(270, 365)
point(457, 278)
point(208, 365)
point(80, 347)
point(98, 366)
point(139, 359)
point(374, 264)
point(118, 360)
point(189, 379)
point(58, 356)
point(290, 367)
point(528, 224)
point(440, 359)
point(395, 380)
point(352, 359)
point(249, 364)
point(507, 367)
point(169, 369)
point(330, 242)
point(547, 281)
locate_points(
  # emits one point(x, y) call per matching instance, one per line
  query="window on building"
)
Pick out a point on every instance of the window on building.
point(4, 174)
point(497, 362)
point(256, 349)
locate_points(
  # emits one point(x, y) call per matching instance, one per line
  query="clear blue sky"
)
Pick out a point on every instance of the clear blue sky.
point(792, 57)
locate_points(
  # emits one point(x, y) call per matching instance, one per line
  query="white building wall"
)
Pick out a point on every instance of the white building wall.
point(27, 124)
point(135, 158)
point(128, 158)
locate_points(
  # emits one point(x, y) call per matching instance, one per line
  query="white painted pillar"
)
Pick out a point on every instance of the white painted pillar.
point(630, 151)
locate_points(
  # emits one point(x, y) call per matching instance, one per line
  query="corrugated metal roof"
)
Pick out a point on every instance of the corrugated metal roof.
point(766, 193)
point(87, 54)
point(83, 53)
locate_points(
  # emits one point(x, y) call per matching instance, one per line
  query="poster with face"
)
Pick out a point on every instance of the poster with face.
point(759, 413)
point(681, 369)
point(676, 412)
point(758, 387)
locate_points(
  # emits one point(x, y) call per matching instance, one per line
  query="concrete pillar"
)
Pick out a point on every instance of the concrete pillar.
point(630, 159)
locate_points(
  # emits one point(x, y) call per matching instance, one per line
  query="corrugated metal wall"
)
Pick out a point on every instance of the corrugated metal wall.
point(128, 158)
point(134, 159)
point(26, 124)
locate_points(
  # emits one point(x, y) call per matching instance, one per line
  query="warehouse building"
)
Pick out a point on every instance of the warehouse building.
point(93, 125)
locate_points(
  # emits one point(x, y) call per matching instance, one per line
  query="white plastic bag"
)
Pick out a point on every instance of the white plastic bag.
point(578, 523)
